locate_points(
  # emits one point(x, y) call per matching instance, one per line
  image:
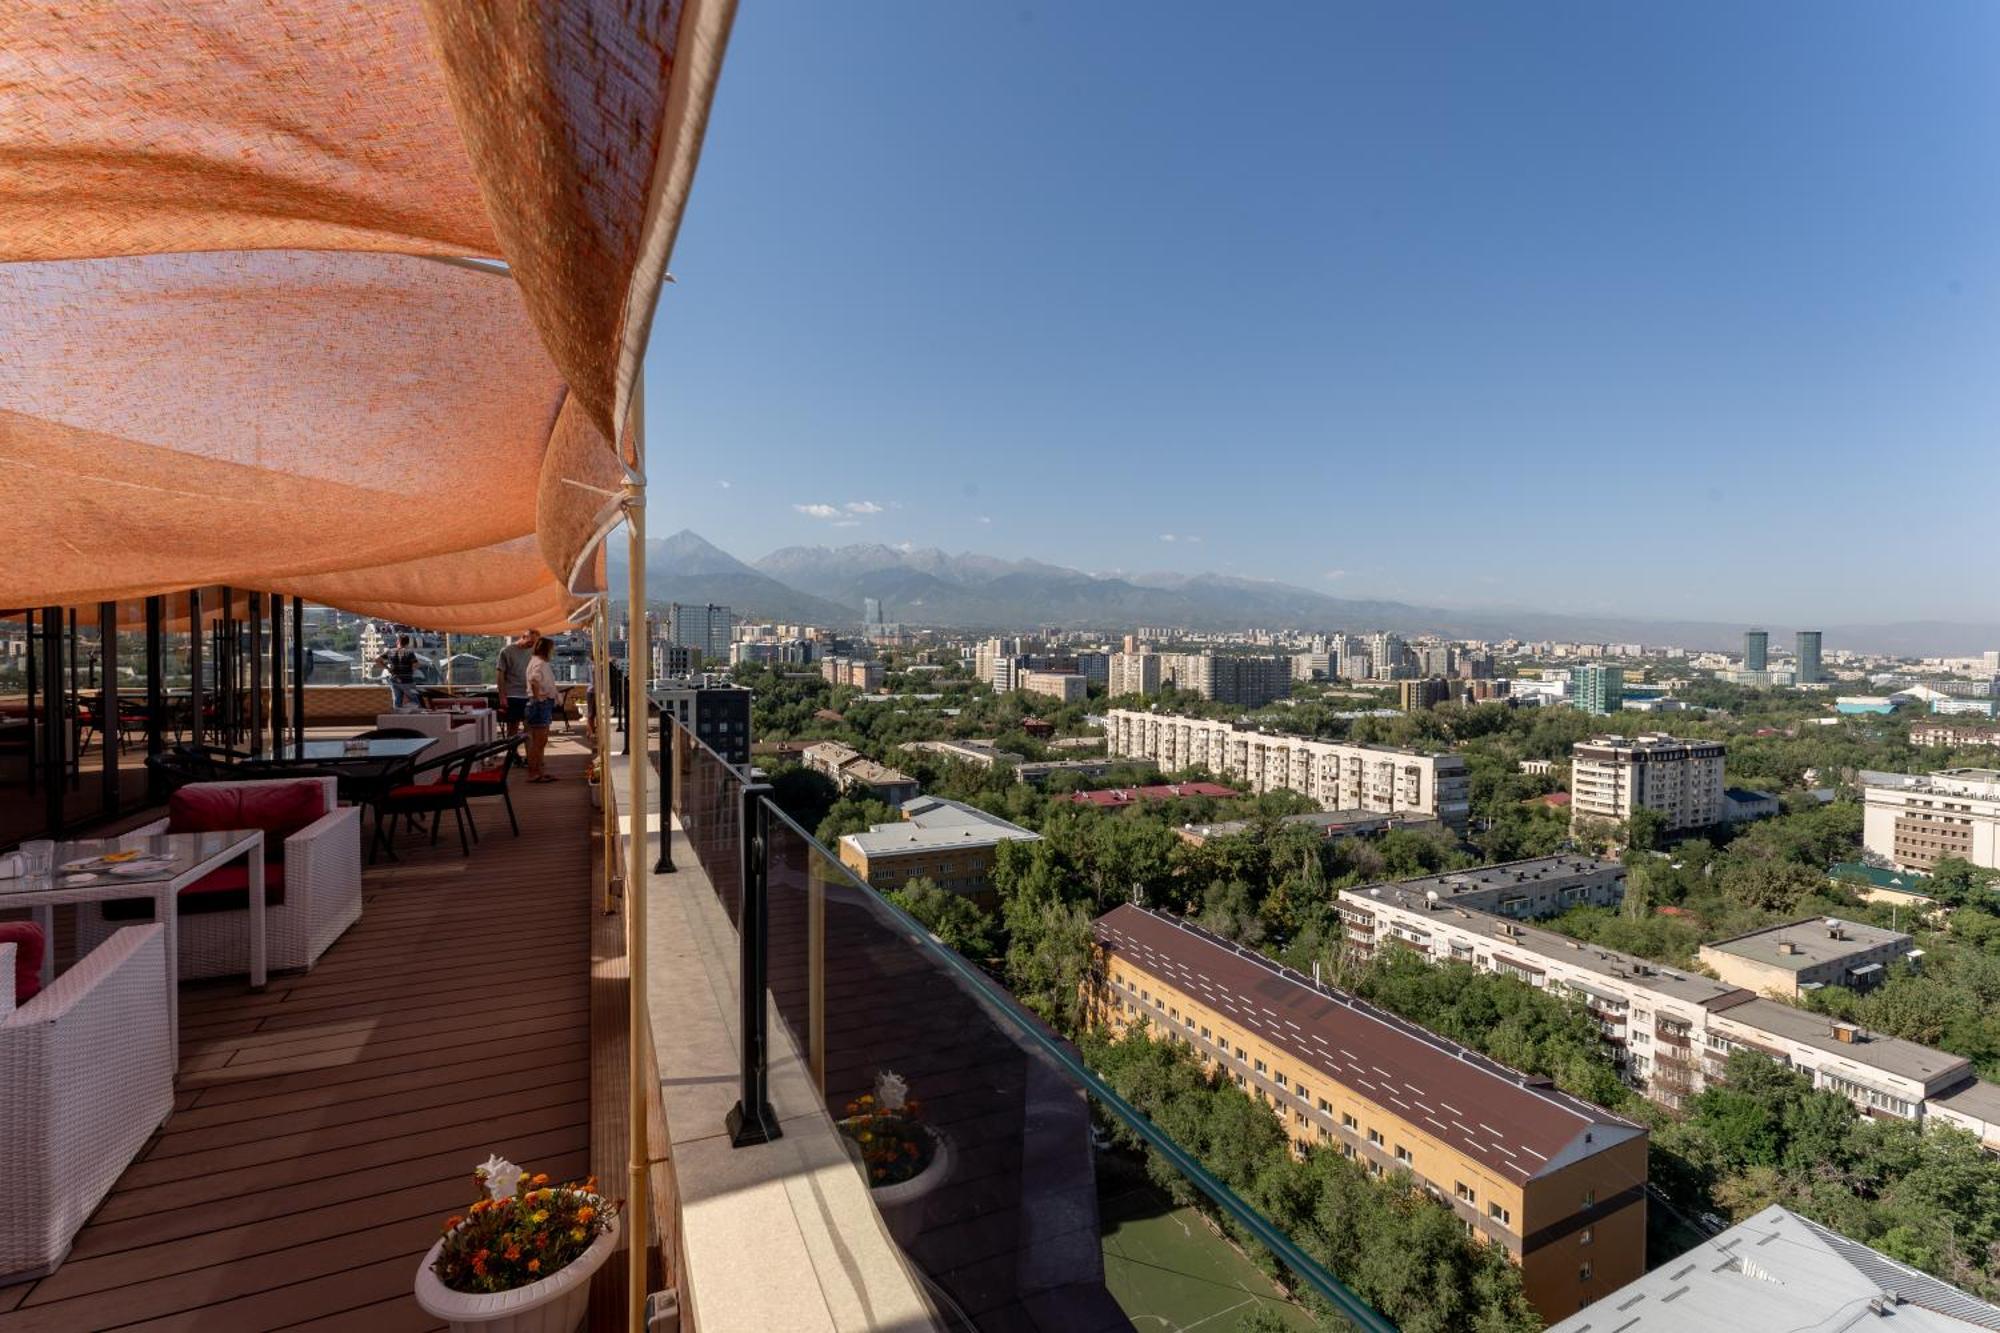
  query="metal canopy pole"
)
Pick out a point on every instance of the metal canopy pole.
point(298, 675)
point(277, 674)
point(636, 1197)
point(197, 704)
point(257, 673)
point(107, 702)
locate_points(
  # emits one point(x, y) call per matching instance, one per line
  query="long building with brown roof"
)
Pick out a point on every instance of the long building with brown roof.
point(1558, 1182)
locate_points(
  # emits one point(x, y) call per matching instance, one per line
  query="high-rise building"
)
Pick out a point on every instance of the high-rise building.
point(1806, 668)
point(1249, 680)
point(1416, 696)
point(871, 610)
point(1756, 649)
point(1612, 776)
point(705, 629)
point(1133, 673)
point(1337, 775)
point(1597, 689)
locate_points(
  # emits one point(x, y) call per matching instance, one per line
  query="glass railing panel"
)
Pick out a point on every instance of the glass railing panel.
point(708, 798)
point(1005, 1193)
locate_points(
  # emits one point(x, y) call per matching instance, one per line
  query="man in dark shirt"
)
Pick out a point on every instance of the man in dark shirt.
point(401, 662)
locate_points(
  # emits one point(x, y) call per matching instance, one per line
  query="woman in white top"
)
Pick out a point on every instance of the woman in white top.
point(542, 696)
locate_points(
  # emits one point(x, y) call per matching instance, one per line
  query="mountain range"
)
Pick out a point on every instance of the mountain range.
point(926, 586)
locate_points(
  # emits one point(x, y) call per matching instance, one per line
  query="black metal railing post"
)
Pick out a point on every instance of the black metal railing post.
point(751, 1120)
point(665, 865)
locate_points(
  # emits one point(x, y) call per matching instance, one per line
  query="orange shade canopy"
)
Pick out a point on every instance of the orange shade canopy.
point(344, 301)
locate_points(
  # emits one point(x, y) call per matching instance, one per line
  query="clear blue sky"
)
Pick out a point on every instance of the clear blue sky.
point(1685, 309)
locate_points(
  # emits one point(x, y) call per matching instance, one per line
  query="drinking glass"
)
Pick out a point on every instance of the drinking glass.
point(39, 854)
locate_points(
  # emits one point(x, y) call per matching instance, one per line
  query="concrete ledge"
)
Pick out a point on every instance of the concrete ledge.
point(779, 1236)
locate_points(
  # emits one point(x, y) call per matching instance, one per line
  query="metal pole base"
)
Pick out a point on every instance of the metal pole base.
point(747, 1130)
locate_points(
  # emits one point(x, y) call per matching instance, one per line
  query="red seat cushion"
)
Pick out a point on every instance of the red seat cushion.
point(224, 889)
point(490, 777)
point(280, 809)
point(411, 791)
point(27, 958)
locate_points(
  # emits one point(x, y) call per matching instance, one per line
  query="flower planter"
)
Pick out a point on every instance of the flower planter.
point(596, 795)
point(905, 1192)
point(556, 1304)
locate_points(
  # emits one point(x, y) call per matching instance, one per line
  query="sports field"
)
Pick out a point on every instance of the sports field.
point(1169, 1272)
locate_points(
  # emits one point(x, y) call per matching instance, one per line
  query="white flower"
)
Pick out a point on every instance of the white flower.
point(891, 1090)
point(502, 1177)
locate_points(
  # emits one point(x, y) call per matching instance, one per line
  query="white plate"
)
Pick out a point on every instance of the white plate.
point(75, 881)
point(82, 864)
point(135, 869)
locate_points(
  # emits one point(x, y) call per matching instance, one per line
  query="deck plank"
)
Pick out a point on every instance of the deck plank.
point(326, 1126)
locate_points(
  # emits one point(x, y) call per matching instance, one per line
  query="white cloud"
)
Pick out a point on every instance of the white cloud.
point(906, 546)
point(725, 485)
point(1178, 537)
point(987, 521)
point(1168, 537)
point(818, 511)
point(1334, 574)
point(848, 523)
point(863, 507)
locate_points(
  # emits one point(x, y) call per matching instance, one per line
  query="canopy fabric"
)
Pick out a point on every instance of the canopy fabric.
point(234, 356)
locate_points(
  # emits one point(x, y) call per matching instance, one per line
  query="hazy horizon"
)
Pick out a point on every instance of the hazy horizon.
point(1681, 313)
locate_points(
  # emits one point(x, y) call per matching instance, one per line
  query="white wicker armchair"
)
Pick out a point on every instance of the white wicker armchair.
point(85, 1079)
point(322, 899)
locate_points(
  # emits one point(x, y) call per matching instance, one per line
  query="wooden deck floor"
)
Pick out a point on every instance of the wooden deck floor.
point(325, 1128)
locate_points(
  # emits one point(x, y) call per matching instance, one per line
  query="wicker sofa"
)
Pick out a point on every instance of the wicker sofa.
point(312, 890)
point(85, 1079)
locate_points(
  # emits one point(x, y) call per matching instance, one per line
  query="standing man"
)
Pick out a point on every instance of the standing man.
point(402, 664)
point(513, 680)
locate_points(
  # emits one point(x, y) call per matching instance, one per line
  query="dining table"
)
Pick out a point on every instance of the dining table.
point(325, 752)
point(152, 866)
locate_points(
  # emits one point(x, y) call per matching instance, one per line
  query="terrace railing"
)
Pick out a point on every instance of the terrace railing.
point(1007, 1227)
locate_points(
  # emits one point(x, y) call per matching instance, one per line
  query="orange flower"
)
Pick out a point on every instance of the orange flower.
point(513, 1252)
point(585, 1213)
point(452, 1223)
point(541, 1177)
point(534, 1265)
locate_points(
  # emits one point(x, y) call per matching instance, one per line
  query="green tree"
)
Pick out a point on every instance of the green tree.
point(958, 922)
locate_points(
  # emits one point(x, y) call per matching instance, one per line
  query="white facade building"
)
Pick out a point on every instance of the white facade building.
point(1337, 775)
point(1915, 820)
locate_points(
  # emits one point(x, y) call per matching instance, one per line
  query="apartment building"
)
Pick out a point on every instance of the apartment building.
point(1611, 776)
point(1794, 957)
point(948, 842)
point(1134, 673)
point(1418, 696)
point(1246, 679)
point(1670, 1031)
point(866, 676)
point(1067, 686)
point(1337, 775)
point(714, 710)
point(855, 772)
point(980, 754)
point(1559, 1183)
point(1915, 820)
point(1756, 649)
point(1946, 733)
point(1806, 660)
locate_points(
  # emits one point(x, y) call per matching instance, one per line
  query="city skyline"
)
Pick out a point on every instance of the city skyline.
point(1491, 272)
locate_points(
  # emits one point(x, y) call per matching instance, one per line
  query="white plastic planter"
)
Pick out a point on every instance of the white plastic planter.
point(556, 1304)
